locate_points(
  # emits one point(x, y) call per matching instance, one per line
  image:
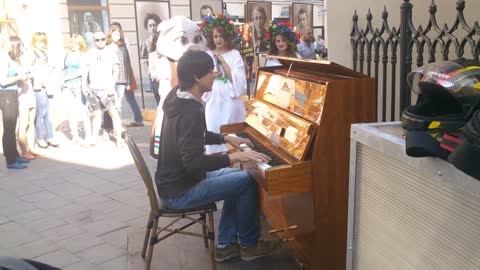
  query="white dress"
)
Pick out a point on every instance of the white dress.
point(224, 105)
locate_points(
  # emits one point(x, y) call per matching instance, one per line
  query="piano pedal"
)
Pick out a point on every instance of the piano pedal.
point(283, 233)
point(293, 227)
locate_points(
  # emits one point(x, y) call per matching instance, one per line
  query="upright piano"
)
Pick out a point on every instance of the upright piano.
point(300, 116)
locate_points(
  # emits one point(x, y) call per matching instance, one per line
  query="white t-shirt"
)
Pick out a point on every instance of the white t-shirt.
point(100, 67)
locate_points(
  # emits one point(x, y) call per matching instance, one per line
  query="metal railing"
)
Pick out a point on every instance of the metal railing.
point(378, 49)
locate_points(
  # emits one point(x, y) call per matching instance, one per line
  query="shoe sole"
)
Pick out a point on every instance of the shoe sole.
point(248, 259)
point(220, 260)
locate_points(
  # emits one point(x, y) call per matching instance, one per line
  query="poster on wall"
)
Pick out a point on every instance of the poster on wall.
point(86, 22)
point(149, 14)
point(199, 9)
point(258, 15)
point(302, 16)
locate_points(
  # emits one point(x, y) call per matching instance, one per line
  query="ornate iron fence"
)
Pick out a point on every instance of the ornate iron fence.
point(379, 48)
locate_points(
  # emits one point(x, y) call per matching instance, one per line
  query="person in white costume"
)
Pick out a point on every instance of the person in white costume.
point(223, 105)
point(175, 36)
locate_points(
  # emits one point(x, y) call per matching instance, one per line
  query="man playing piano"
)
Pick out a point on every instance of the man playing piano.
point(188, 178)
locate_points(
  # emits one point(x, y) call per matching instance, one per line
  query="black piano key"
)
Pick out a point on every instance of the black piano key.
point(258, 146)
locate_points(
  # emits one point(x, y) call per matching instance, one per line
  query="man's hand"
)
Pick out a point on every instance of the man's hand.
point(248, 156)
point(237, 141)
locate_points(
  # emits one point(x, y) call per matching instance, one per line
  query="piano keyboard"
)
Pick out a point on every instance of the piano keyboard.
point(258, 146)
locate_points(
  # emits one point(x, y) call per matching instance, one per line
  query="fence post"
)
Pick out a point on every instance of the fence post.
point(405, 39)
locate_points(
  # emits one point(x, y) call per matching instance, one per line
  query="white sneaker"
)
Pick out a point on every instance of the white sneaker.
point(53, 142)
point(42, 143)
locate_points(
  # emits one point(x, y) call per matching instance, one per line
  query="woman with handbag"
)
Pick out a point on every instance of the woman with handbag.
point(116, 40)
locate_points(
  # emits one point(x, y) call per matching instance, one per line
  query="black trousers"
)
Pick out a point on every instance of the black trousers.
point(9, 107)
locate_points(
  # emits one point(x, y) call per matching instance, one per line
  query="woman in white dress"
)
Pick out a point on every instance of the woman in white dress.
point(224, 105)
point(283, 43)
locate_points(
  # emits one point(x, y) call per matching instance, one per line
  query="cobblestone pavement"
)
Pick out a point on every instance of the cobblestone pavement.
point(73, 207)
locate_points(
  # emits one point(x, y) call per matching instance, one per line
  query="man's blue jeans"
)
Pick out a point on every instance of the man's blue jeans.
point(239, 222)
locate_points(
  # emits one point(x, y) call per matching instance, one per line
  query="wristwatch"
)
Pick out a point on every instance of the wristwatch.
point(222, 138)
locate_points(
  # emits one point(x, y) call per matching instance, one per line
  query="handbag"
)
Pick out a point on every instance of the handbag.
point(133, 81)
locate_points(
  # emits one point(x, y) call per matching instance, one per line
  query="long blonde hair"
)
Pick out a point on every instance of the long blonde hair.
point(77, 39)
point(39, 37)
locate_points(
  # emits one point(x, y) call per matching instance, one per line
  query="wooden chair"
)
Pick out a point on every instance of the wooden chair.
point(156, 211)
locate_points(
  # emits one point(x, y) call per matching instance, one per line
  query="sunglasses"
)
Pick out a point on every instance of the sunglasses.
point(99, 39)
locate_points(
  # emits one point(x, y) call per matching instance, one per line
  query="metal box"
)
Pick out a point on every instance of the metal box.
point(408, 213)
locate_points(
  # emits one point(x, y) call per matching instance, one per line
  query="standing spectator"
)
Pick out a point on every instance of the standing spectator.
point(98, 81)
point(43, 93)
point(224, 104)
point(116, 40)
point(76, 101)
point(10, 76)
point(306, 48)
point(283, 43)
point(150, 23)
point(26, 102)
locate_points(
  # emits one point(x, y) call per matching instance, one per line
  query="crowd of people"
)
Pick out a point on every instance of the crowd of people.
point(91, 86)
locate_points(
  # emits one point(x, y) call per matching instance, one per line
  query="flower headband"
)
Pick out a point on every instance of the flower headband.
point(275, 28)
point(209, 22)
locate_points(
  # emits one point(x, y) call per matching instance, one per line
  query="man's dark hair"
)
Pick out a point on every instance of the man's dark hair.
point(206, 7)
point(193, 65)
point(151, 16)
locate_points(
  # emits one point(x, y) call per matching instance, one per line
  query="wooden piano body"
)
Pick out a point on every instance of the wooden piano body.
point(301, 114)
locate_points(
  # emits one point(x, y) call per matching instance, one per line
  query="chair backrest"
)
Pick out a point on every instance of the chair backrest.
point(144, 172)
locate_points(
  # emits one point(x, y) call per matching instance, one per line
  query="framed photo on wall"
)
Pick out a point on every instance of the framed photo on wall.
point(318, 31)
point(258, 15)
point(86, 22)
point(202, 8)
point(148, 14)
point(302, 15)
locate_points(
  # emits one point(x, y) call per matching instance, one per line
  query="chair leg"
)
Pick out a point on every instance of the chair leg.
point(147, 235)
point(211, 240)
point(204, 229)
point(151, 243)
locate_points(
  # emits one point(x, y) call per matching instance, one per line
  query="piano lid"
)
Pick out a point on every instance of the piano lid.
point(322, 66)
point(291, 133)
point(299, 96)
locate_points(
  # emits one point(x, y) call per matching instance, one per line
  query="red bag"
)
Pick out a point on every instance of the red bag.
point(133, 81)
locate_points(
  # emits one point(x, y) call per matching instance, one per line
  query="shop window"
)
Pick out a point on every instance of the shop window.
point(86, 17)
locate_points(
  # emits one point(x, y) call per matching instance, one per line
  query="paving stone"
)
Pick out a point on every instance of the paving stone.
point(119, 263)
point(80, 243)
point(52, 204)
point(38, 197)
point(35, 249)
point(4, 220)
point(29, 216)
point(68, 210)
point(108, 188)
point(45, 224)
point(69, 190)
point(82, 265)
point(15, 207)
point(118, 238)
point(14, 234)
point(101, 254)
point(102, 227)
point(63, 232)
point(59, 258)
